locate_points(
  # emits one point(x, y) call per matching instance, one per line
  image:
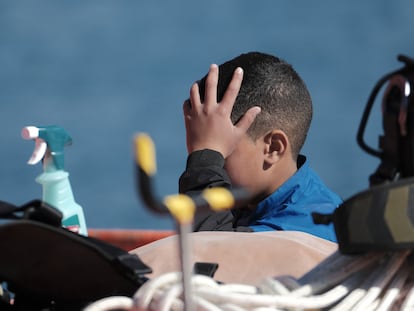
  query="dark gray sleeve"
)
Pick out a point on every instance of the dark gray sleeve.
point(205, 169)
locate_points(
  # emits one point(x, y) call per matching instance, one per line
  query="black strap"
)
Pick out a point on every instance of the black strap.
point(6, 209)
point(205, 268)
point(35, 210)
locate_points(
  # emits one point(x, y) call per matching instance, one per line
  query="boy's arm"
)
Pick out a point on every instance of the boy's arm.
point(205, 169)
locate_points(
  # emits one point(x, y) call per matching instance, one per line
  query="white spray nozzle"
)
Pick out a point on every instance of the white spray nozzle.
point(407, 89)
point(30, 132)
point(39, 152)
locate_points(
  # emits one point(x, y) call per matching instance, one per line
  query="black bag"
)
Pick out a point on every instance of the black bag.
point(47, 267)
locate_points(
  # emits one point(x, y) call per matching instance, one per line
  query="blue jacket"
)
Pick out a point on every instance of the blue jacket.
point(290, 207)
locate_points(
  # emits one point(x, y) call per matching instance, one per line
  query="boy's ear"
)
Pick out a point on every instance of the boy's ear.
point(276, 146)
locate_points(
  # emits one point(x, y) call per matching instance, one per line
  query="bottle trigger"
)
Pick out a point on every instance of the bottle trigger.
point(38, 152)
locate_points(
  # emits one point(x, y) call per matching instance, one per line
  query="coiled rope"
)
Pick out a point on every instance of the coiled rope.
point(374, 281)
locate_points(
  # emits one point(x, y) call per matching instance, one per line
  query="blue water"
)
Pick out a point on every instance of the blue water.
point(106, 70)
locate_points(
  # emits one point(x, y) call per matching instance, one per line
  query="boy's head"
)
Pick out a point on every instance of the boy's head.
point(273, 85)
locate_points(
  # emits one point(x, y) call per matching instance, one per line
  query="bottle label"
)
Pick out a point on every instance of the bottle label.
point(72, 223)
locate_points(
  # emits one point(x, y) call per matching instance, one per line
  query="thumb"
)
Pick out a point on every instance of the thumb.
point(246, 121)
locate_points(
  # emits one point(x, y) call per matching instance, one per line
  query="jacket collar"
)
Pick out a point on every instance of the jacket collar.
point(289, 192)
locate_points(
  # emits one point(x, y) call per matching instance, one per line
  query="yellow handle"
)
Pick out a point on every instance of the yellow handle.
point(181, 206)
point(145, 153)
point(219, 198)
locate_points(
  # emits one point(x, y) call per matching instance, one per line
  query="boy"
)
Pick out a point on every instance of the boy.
point(246, 122)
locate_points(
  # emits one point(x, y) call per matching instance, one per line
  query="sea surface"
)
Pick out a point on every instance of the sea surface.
point(107, 70)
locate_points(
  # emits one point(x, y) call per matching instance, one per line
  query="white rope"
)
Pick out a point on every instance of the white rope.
point(394, 290)
point(148, 289)
point(362, 297)
point(111, 303)
point(408, 304)
point(381, 280)
point(281, 285)
point(370, 282)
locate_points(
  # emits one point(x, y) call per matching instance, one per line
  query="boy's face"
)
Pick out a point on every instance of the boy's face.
point(245, 164)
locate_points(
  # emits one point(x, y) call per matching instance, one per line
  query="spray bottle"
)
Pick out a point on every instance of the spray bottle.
point(57, 191)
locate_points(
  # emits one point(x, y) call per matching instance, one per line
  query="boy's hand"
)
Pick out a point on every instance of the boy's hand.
point(208, 125)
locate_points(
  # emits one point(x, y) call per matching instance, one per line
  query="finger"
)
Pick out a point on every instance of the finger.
point(210, 94)
point(233, 89)
point(187, 111)
point(187, 119)
point(248, 118)
point(195, 101)
point(187, 106)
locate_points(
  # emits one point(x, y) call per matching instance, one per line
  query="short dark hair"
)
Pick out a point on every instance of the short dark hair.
point(273, 85)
